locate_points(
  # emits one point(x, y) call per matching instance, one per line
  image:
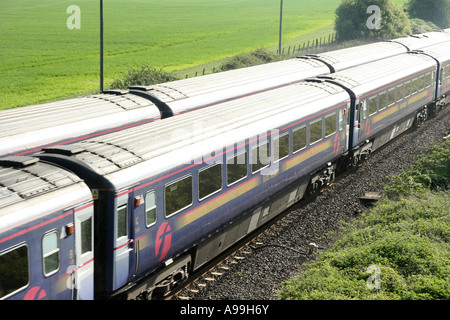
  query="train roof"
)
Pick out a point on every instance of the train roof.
point(178, 140)
point(350, 57)
point(439, 51)
point(29, 127)
point(365, 78)
point(186, 94)
point(30, 188)
point(419, 41)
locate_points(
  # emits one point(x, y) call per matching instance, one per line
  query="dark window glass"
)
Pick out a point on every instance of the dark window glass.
point(298, 139)
point(315, 131)
point(86, 235)
point(391, 96)
point(13, 270)
point(373, 105)
point(382, 101)
point(178, 195)
point(122, 215)
point(209, 180)
point(427, 80)
point(281, 147)
point(260, 157)
point(414, 86)
point(236, 168)
point(408, 89)
point(400, 92)
point(330, 124)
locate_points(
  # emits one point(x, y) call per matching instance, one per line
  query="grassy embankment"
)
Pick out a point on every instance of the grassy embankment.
point(400, 250)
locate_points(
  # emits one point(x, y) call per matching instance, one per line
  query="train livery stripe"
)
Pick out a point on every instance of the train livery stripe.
point(232, 194)
point(213, 204)
point(385, 113)
point(305, 155)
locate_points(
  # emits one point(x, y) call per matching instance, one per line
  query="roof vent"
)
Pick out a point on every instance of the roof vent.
point(67, 150)
point(18, 161)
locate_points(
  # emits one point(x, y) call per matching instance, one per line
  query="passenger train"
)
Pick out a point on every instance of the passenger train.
point(131, 214)
point(28, 129)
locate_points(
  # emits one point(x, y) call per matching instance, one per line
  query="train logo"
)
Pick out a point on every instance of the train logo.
point(163, 241)
point(35, 293)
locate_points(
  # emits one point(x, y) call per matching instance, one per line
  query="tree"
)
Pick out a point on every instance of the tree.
point(373, 19)
point(436, 11)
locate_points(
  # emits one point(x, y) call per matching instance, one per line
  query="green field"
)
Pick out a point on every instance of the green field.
point(42, 59)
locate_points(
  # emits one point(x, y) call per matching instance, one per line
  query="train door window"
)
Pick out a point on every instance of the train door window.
point(86, 236)
point(330, 124)
point(122, 217)
point(373, 105)
point(178, 195)
point(448, 71)
point(341, 119)
point(391, 96)
point(150, 208)
point(421, 83)
point(399, 92)
point(298, 139)
point(414, 86)
point(14, 273)
point(260, 157)
point(281, 147)
point(236, 168)
point(50, 252)
point(209, 181)
point(407, 89)
point(382, 101)
point(315, 131)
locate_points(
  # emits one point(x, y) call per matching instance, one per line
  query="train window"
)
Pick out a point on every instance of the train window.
point(14, 273)
point(260, 157)
point(330, 124)
point(209, 181)
point(341, 119)
point(178, 195)
point(414, 86)
point(399, 92)
point(382, 101)
point(427, 80)
point(315, 131)
point(50, 253)
point(86, 236)
point(372, 105)
point(298, 139)
point(281, 147)
point(391, 96)
point(407, 89)
point(122, 217)
point(236, 168)
point(421, 83)
point(150, 208)
point(448, 71)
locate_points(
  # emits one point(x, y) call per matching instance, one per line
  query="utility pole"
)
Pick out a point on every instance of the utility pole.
point(281, 26)
point(101, 45)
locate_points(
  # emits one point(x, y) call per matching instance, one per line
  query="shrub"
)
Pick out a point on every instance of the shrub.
point(143, 76)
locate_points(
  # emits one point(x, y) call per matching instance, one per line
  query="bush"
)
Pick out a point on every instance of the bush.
point(253, 58)
point(143, 76)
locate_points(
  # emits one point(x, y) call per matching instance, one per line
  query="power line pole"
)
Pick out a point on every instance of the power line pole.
point(281, 26)
point(101, 45)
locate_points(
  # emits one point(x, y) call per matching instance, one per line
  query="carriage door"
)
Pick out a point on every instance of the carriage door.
point(123, 246)
point(84, 252)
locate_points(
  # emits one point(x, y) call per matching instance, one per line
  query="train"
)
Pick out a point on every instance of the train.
point(26, 130)
point(132, 214)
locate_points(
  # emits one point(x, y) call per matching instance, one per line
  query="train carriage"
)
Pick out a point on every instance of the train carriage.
point(46, 244)
point(167, 187)
point(388, 97)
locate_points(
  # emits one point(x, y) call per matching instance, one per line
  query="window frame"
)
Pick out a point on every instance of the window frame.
point(288, 146)
point(321, 135)
point(246, 157)
point(12, 249)
point(192, 195)
point(251, 155)
point(219, 163)
point(305, 141)
point(149, 209)
point(51, 253)
point(327, 116)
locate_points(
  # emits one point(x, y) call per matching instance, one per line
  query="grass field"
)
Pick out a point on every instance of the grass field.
point(42, 59)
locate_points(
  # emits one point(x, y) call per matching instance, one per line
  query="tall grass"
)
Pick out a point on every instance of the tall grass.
point(399, 251)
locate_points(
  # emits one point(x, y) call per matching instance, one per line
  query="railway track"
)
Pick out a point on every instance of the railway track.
point(256, 267)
